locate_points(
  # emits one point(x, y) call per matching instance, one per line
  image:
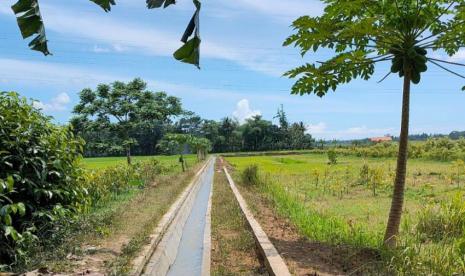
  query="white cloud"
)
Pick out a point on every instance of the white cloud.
point(243, 111)
point(57, 103)
point(319, 128)
point(25, 71)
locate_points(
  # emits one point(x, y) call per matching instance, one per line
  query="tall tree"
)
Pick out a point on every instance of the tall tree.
point(362, 33)
point(31, 24)
point(176, 142)
point(125, 109)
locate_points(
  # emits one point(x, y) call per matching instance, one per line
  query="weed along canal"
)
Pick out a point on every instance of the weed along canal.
point(184, 247)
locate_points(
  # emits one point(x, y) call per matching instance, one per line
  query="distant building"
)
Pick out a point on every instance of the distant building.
point(386, 138)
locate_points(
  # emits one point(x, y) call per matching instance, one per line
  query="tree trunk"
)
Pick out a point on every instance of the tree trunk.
point(128, 155)
point(182, 163)
point(392, 229)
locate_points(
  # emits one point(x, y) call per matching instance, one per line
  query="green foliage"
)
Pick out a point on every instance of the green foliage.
point(30, 23)
point(104, 184)
point(201, 145)
point(117, 117)
point(332, 157)
point(363, 33)
point(38, 175)
point(440, 149)
point(249, 175)
point(364, 175)
point(376, 177)
point(443, 222)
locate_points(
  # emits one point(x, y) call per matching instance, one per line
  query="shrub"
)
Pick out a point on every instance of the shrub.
point(332, 157)
point(250, 175)
point(38, 174)
point(102, 184)
point(443, 222)
point(364, 174)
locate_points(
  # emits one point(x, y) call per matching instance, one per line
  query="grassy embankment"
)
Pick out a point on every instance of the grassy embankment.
point(340, 204)
point(233, 246)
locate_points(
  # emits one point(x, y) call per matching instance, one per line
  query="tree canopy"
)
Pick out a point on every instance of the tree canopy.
point(124, 109)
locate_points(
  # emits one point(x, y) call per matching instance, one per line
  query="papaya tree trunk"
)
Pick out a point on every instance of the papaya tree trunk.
point(392, 229)
point(128, 155)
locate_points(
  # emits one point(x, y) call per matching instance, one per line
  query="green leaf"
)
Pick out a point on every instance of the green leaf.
point(30, 23)
point(463, 88)
point(21, 208)
point(10, 231)
point(10, 182)
point(151, 4)
point(189, 52)
point(7, 219)
point(105, 4)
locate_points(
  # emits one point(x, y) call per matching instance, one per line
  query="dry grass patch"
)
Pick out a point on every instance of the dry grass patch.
point(233, 246)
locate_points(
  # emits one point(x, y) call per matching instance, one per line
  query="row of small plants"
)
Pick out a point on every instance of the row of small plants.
point(42, 185)
point(439, 149)
point(432, 242)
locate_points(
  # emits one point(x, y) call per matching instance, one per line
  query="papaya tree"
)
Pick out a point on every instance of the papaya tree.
point(31, 24)
point(363, 33)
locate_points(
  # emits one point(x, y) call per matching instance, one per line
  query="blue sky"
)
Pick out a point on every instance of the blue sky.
point(242, 62)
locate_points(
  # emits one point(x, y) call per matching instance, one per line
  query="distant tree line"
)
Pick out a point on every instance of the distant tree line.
point(126, 118)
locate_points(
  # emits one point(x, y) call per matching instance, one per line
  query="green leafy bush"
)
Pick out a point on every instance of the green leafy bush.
point(332, 157)
point(250, 175)
point(38, 175)
point(102, 184)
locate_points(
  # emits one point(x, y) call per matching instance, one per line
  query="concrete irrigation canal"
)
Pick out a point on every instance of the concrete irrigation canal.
point(181, 242)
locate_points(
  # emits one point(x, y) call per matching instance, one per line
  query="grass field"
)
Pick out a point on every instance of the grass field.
point(348, 203)
point(104, 162)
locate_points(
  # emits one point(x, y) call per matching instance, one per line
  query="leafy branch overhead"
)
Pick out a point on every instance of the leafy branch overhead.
point(30, 23)
point(363, 33)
